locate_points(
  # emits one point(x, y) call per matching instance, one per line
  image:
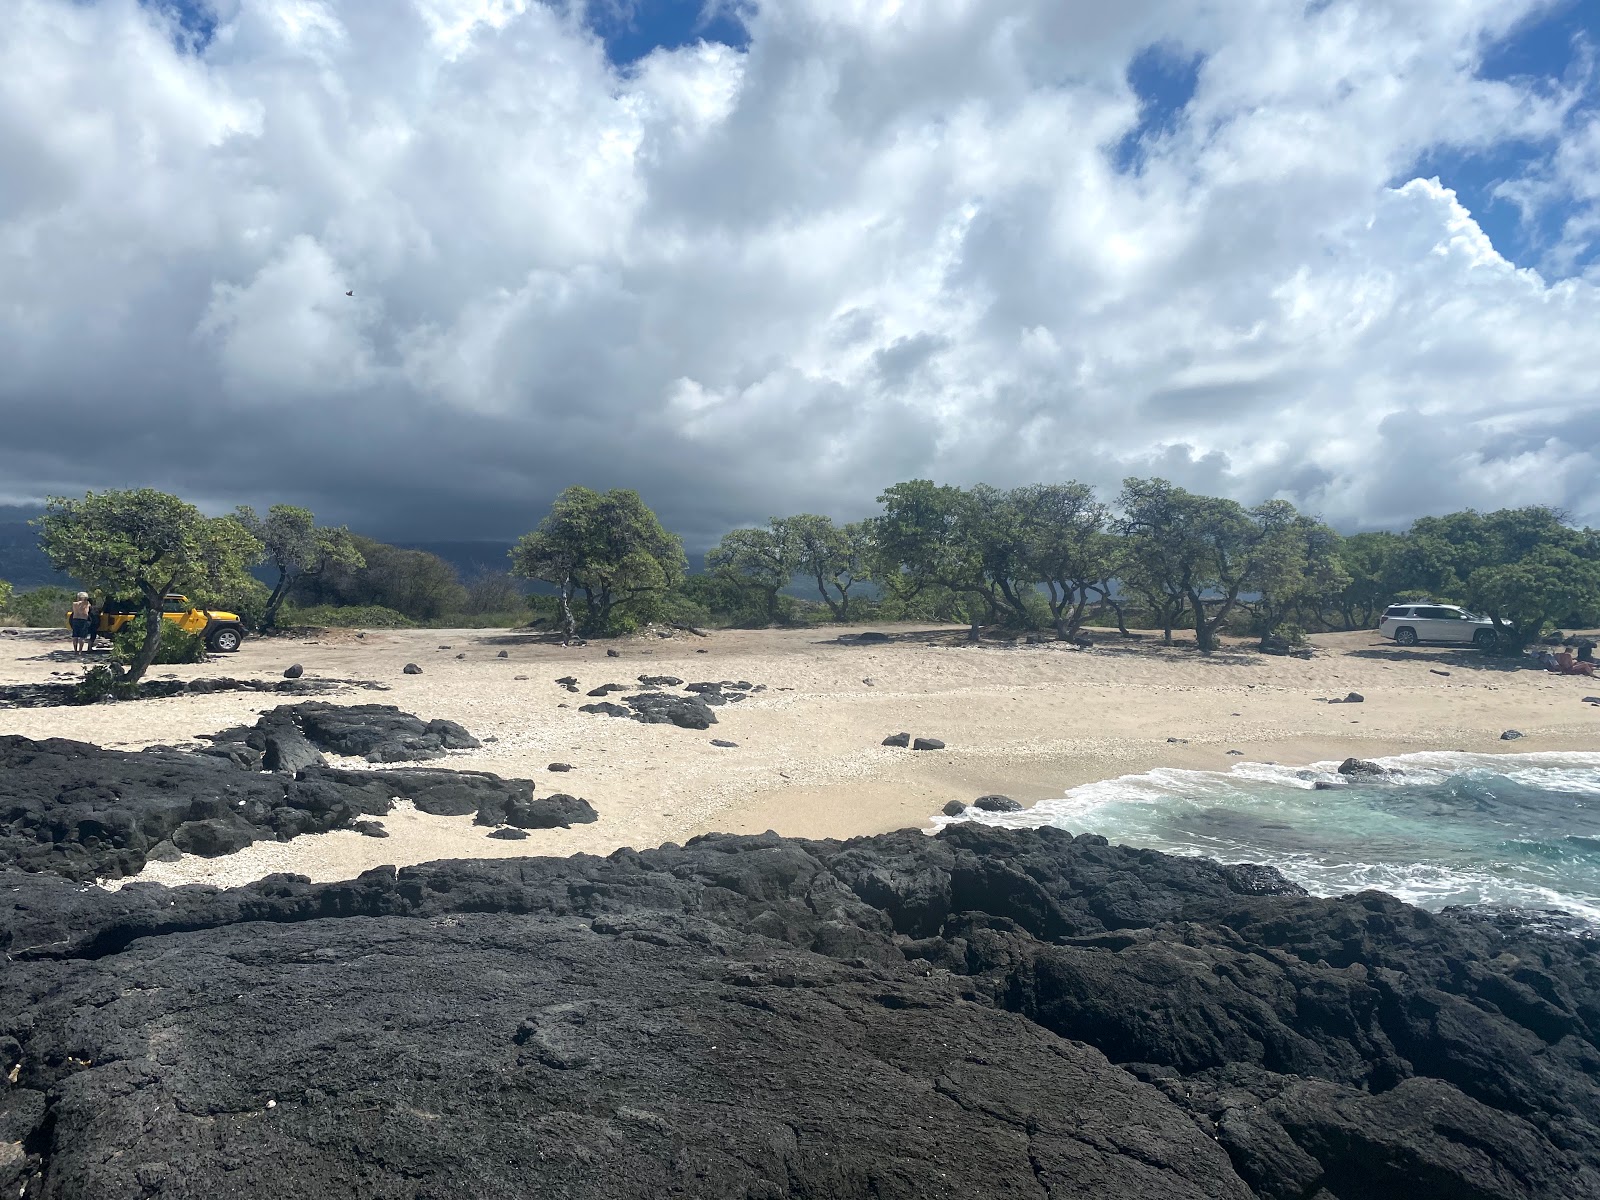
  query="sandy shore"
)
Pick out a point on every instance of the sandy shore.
point(1027, 720)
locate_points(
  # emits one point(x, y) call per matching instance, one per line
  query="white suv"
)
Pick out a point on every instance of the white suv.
point(1409, 624)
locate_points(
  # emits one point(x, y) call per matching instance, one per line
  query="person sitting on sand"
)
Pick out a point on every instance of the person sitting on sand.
point(78, 617)
point(1566, 664)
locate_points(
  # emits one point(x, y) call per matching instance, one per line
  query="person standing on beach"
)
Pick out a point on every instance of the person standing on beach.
point(82, 626)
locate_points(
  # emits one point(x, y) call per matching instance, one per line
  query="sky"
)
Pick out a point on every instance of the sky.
point(758, 257)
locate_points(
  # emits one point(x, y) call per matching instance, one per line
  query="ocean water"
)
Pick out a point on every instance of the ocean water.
point(1445, 828)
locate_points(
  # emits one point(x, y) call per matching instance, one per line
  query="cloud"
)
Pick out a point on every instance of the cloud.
point(880, 241)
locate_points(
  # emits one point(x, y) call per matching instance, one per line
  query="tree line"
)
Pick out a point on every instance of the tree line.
point(1054, 556)
point(1050, 556)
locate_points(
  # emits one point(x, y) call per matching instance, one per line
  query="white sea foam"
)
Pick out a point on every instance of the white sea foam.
point(1437, 848)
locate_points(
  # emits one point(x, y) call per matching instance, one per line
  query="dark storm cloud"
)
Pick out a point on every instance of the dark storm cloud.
point(883, 241)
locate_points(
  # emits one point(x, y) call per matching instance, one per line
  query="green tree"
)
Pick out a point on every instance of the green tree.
point(5, 596)
point(1377, 574)
point(150, 542)
point(1065, 546)
point(837, 557)
point(415, 583)
point(929, 540)
point(608, 546)
point(1299, 572)
point(763, 560)
point(298, 549)
point(1204, 550)
point(1525, 568)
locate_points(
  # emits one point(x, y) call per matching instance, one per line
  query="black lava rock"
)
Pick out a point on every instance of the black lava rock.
point(539, 812)
point(86, 813)
point(986, 1012)
point(613, 654)
point(503, 654)
point(927, 744)
point(659, 708)
point(559, 767)
point(411, 669)
point(373, 829)
point(509, 834)
point(1511, 735)
point(954, 808)
point(726, 745)
point(1360, 768)
point(997, 804)
point(900, 740)
point(294, 672)
point(660, 681)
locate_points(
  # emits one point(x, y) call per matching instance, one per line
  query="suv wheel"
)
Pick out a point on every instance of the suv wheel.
point(1405, 636)
point(225, 640)
point(1484, 638)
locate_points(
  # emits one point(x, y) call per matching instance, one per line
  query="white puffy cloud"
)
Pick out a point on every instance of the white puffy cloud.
point(885, 240)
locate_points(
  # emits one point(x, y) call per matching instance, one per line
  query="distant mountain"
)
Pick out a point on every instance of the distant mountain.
point(22, 563)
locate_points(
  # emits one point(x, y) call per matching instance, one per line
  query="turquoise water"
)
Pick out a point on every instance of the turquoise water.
point(1517, 829)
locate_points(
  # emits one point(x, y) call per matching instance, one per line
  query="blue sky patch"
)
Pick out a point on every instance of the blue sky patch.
point(1549, 53)
point(631, 29)
point(1164, 79)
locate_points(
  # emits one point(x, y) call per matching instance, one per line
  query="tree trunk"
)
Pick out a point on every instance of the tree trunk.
point(153, 625)
point(822, 589)
point(569, 624)
point(1203, 630)
point(269, 617)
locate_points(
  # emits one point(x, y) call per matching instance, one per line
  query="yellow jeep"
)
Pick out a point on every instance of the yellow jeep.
point(223, 631)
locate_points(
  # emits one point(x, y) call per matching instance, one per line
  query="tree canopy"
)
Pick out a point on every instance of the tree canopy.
point(611, 548)
point(297, 548)
point(146, 543)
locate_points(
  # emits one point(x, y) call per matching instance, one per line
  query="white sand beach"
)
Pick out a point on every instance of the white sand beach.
point(1027, 720)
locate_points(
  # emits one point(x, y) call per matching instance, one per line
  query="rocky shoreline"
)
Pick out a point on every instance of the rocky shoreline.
point(987, 1012)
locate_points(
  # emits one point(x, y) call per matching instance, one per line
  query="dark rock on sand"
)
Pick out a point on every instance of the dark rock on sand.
point(294, 672)
point(900, 740)
point(605, 689)
point(871, 636)
point(613, 654)
point(725, 744)
point(997, 804)
point(542, 812)
point(606, 708)
point(412, 669)
point(1359, 768)
point(568, 681)
point(659, 708)
point(983, 1013)
point(503, 654)
point(1511, 735)
point(1354, 698)
point(288, 750)
point(927, 744)
point(954, 808)
point(509, 834)
point(559, 767)
point(660, 681)
point(85, 813)
point(373, 829)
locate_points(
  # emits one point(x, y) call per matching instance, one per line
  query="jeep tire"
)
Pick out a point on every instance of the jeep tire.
point(1405, 636)
point(1485, 639)
point(225, 640)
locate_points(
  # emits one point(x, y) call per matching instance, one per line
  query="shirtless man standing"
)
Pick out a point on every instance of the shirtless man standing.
point(82, 627)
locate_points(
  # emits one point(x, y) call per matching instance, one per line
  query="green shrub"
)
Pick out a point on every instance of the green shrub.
point(354, 616)
point(43, 607)
point(178, 646)
point(99, 683)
